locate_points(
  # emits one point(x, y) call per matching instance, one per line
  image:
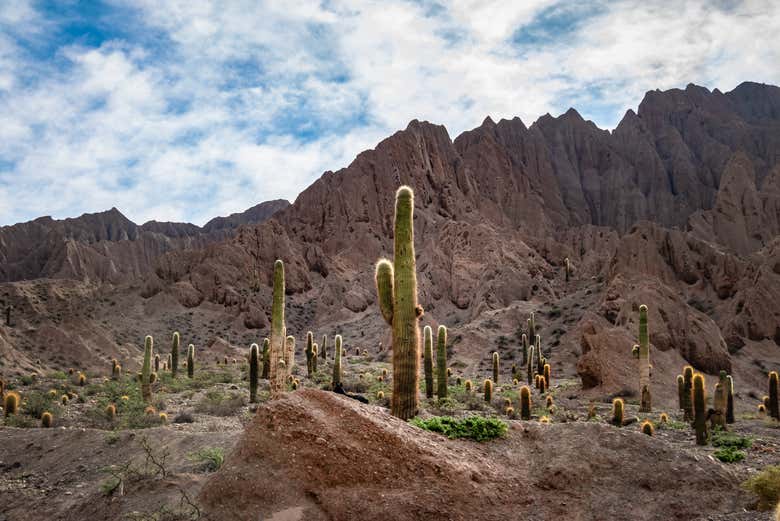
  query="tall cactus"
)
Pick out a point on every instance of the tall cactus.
point(191, 360)
point(719, 404)
point(315, 352)
point(699, 410)
point(324, 347)
point(396, 284)
point(309, 353)
point(441, 361)
point(645, 404)
point(531, 327)
point(688, 382)
point(266, 358)
point(730, 399)
point(146, 370)
point(680, 392)
point(524, 341)
point(428, 360)
point(525, 402)
point(531, 365)
point(254, 370)
point(175, 353)
point(568, 269)
point(496, 361)
point(774, 410)
point(540, 359)
point(337, 362)
point(487, 388)
point(278, 372)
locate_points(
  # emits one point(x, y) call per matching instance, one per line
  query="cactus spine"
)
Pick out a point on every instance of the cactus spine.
point(688, 381)
point(191, 360)
point(278, 372)
point(525, 402)
point(774, 389)
point(442, 370)
point(645, 404)
point(175, 354)
point(337, 362)
point(495, 366)
point(146, 370)
point(428, 360)
point(396, 284)
point(487, 387)
point(617, 412)
point(699, 410)
point(266, 358)
point(730, 399)
point(254, 369)
point(309, 353)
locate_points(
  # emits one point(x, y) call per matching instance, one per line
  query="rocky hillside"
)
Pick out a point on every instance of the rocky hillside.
point(678, 208)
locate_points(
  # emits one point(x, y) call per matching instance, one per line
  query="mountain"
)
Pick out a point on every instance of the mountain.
point(677, 208)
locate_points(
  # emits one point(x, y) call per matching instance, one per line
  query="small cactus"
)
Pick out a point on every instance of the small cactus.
point(664, 418)
point(294, 385)
point(52, 393)
point(337, 363)
point(82, 379)
point(468, 386)
point(761, 409)
point(510, 411)
point(699, 410)
point(524, 342)
point(495, 366)
point(150, 411)
point(567, 268)
point(547, 375)
point(549, 401)
point(175, 353)
point(647, 427)
point(720, 401)
point(156, 363)
point(163, 417)
point(774, 389)
point(617, 412)
point(64, 399)
point(443, 372)
point(254, 369)
point(111, 411)
point(591, 411)
point(47, 420)
point(525, 402)
point(487, 387)
point(542, 384)
point(428, 360)
point(190, 360)
point(11, 403)
point(380, 395)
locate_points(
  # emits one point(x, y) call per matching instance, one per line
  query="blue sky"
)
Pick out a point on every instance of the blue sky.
point(187, 109)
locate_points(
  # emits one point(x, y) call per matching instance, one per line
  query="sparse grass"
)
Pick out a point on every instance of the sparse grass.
point(210, 459)
point(35, 403)
point(218, 403)
point(674, 425)
point(766, 485)
point(477, 428)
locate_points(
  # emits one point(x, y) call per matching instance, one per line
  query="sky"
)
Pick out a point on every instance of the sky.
point(182, 110)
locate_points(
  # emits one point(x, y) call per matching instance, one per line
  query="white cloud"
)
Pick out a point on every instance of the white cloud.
point(213, 107)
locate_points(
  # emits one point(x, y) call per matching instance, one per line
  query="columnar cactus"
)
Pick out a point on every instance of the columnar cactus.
point(156, 363)
point(309, 353)
point(645, 404)
point(191, 360)
point(647, 427)
point(531, 327)
point(254, 370)
point(82, 379)
point(315, 351)
point(278, 372)
point(681, 392)
point(524, 342)
point(719, 405)
point(568, 269)
point(428, 360)
point(11, 403)
point(699, 410)
point(495, 366)
point(396, 284)
point(729, 399)
point(531, 365)
point(774, 389)
point(337, 362)
point(146, 370)
point(617, 412)
point(289, 353)
point(487, 387)
point(442, 371)
point(468, 386)
point(266, 359)
point(324, 347)
point(47, 420)
point(688, 381)
point(547, 374)
point(175, 354)
point(111, 411)
point(116, 370)
point(525, 402)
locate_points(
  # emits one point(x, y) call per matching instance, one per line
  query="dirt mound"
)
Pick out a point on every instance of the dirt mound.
point(316, 455)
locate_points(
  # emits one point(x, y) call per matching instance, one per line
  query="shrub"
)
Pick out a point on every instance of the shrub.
point(730, 441)
point(217, 403)
point(729, 455)
point(476, 428)
point(766, 485)
point(210, 459)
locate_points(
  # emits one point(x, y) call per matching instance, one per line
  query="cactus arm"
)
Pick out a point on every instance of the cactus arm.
point(384, 288)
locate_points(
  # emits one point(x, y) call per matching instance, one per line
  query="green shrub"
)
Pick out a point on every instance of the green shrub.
point(728, 440)
point(476, 428)
point(766, 485)
point(729, 455)
point(37, 402)
point(210, 459)
point(217, 403)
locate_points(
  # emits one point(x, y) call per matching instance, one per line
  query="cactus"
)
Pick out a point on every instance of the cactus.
point(116, 371)
point(531, 327)
point(442, 371)
point(111, 411)
point(468, 386)
point(680, 392)
point(524, 343)
point(647, 427)
point(82, 379)
point(645, 404)
point(150, 411)
point(617, 412)
point(324, 347)
point(635, 351)
point(530, 364)
point(337, 362)
point(761, 409)
point(774, 389)
point(542, 384)
point(688, 381)
point(191, 360)
point(309, 353)
point(525, 402)
point(513, 372)
point(487, 388)
point(546, 373)
point(277, 372)
point(163, 417)
point(146, 371)
point(47, 420)
point(730, 400)
point(64, 399)
point(266, 359)
point(718, 417)
point(540, 360)
point(175, 353)
point(254, 371)
point(315, 350)
point(510, 411)
point(699, 410)
point(11, 403)
point(380, 395)
point(156, 363)
point(664, 418)
point(549, 401)
point(567, 268)
point(495, 366)
point(428, 360)
point(396, 284)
